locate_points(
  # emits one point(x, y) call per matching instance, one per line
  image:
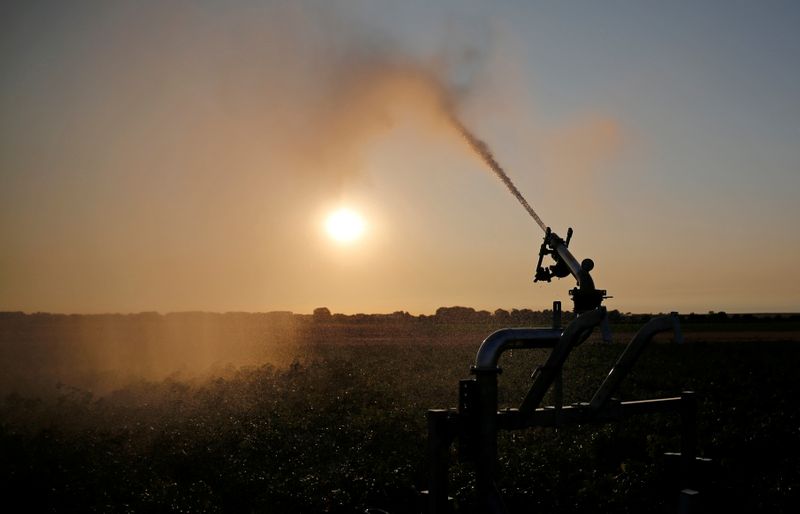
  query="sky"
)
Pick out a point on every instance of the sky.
point(180, 156)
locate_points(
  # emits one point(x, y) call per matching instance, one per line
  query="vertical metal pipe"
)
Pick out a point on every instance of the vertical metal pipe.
point(486, 437)
point(558, 390)
point(605, 330)
point(678, 335)
point(688, 438)
point(439, 439)
point(556, 315)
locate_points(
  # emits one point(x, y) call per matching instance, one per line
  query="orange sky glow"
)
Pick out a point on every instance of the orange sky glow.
point(186, 156)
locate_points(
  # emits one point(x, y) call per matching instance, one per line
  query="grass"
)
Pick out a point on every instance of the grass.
point(342, 428)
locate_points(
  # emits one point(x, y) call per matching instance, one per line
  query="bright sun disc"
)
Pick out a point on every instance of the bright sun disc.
point(344, 225)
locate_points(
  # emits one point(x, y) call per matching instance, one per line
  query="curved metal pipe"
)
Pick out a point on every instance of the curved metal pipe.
point(575, 333)
point(505, 339)
point(631, 354)
point(582, 326)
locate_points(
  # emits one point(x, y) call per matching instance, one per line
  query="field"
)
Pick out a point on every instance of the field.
point(325, 414)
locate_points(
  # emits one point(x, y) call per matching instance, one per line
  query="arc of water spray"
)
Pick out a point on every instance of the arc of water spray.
point(483, 151)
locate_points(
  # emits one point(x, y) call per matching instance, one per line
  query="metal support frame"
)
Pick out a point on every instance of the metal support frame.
point(576, 333)
point(441, 432)
point(630, 355)
point(476, 422)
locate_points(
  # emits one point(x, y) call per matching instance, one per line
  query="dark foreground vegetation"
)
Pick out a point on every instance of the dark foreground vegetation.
point(335, 421)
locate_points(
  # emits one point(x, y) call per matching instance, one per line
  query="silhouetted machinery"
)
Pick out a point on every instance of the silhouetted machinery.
point(474, 425)
point(585, 296)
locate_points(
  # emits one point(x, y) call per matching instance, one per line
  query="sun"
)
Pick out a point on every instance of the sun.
point(345, 225)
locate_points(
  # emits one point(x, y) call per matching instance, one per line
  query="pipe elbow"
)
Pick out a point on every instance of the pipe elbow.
point(507, 338)
point(660, 324)
point(583, 325)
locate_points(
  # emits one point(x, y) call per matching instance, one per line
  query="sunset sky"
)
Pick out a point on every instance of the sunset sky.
point(185, 155)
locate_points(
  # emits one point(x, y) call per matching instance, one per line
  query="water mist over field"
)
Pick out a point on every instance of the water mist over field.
point(198, 129)
point(103, 352)
point(389, 84)
point(106, 351)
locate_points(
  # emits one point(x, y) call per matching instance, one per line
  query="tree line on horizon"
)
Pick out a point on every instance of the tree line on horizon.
point(454, 314)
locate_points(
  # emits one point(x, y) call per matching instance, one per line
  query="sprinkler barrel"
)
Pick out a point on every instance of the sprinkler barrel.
point(585, 296)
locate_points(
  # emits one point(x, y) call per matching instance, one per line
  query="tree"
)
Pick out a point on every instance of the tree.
point(502, 315)
point(455, 314)
point(322, 314)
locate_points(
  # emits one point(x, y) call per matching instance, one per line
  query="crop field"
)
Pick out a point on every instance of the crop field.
point(332, 419)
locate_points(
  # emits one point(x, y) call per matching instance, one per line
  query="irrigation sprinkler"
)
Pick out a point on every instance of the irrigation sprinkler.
point(474, 425)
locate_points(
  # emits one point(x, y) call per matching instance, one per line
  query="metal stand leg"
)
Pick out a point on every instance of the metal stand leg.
point(440, 437)
point(688, 438)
